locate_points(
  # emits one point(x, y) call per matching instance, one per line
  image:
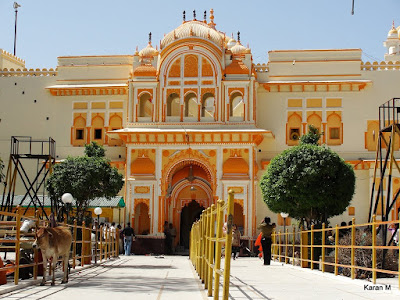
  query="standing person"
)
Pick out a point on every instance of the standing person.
point(235, 241)
point(113, 230)
point(121, 239)
point(172, 231)
point(266, 241)
point(168, 238)
point(128, 234)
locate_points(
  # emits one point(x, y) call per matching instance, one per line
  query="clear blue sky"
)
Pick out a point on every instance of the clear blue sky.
point(51, 28)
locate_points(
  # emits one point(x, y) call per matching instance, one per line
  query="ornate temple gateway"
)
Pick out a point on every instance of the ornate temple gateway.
point(189, 119)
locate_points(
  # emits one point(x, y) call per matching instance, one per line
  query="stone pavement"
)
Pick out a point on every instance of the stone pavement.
point(173, 277)
point(252, 280)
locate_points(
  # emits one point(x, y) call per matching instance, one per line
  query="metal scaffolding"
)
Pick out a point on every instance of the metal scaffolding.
point(389, 134)
point(27, 152)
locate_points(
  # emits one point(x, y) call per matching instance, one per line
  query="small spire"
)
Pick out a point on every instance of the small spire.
point(393, 25)
point(238, 35)
point(205, 16)
point(184, 16)
point(150, 38)
point(232, 36)
point(212, 24)
point(194, 14)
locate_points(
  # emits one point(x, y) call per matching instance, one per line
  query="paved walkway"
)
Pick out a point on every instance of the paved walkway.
point(173, 277)
point(252, 280)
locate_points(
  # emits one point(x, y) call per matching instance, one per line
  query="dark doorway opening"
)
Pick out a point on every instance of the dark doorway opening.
point(190, 213)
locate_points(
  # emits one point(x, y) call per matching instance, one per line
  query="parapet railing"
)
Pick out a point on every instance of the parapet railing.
point(353, 250)
point(380, 66)
point(88, 245)
point(261, 68)
point(25, 72)
point(206, 239)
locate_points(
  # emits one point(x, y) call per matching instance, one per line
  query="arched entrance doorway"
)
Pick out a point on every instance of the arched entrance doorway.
point(190, 192)
point(189, 214)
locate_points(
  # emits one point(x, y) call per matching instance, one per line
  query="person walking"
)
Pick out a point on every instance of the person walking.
point(128, 234)
point(266, 241)
point(235, 241)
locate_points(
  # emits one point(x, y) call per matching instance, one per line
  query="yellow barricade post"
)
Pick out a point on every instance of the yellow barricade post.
point(228, 245)
point(218, 248)
point(353, 250)
point(206, 239)
point(211, 250)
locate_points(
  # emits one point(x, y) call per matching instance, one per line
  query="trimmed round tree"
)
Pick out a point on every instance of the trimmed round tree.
point(310, 182)
point(86, 178)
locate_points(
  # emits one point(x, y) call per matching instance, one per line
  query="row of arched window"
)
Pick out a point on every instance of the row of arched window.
point(191, 107)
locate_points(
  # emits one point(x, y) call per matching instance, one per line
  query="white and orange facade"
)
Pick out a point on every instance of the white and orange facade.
point(190, 119)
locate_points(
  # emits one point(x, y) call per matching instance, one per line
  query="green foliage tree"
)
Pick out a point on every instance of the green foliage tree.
point(310, 182)
point(86, 178)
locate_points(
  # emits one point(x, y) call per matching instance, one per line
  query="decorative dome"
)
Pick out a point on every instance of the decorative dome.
point(231, 43)
point(193, 29)
point(145, 70)
point(148, 51)
point(237, 67)
point(239, 49)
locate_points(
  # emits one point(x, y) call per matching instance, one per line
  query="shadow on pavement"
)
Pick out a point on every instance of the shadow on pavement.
point(148, 267)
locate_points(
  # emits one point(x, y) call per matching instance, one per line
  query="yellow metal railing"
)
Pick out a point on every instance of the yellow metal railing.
point(303, 244)
point(107, 244)
point(206, 240)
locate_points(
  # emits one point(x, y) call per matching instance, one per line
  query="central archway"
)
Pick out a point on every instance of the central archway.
point(189, 192)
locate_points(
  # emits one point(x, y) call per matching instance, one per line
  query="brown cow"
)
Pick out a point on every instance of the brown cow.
point(54, 242)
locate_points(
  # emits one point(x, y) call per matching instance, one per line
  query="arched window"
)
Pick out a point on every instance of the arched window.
point(236, 106)
point(334, 129)
point(293, 128)
point(173, 105)
point(208, 105)
point(145, 106)
point(78, 133)
point(98, 129)
point(191, 106)
point(115, 124)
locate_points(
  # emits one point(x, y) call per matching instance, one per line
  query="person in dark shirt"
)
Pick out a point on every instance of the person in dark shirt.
point(128, 234)
point(266, 241)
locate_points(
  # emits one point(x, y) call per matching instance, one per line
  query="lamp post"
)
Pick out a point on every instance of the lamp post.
point(97, 212)
point(284, 216)
point(16, 5)
point(67, 200)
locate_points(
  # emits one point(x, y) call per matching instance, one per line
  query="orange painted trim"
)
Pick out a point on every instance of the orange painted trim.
point(182, 106)
point(322, 75)
point(83, 56)
point(317, 50)
point(72, 130)
point(88, 66)
point(286, 134)
point(341, 136)
point(365, 140)
point(312, 61)
point(108, 79)
point(88, 129)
